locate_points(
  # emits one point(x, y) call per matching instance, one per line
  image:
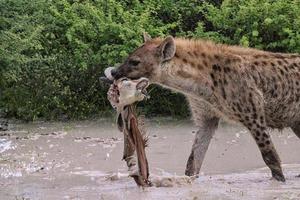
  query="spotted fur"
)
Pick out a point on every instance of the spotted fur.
point(256, 88)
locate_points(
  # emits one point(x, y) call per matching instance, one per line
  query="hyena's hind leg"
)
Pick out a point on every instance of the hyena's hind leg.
point(296, 129)
point(254, 119)
point(267, 149)
point(206, 124)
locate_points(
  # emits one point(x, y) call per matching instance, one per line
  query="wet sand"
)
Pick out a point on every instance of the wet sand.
point(82, 160)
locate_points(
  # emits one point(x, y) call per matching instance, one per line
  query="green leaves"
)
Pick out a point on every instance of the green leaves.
point(52, 52)
point(267, 24)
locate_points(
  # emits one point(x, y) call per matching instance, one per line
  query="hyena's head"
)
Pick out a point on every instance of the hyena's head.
point(146, 60)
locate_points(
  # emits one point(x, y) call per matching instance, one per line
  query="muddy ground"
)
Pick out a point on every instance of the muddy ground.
point(82, 160)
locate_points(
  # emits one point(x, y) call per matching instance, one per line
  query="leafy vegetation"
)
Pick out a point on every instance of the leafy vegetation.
point(53, 52)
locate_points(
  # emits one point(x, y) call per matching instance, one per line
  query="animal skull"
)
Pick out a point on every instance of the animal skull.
point(124, 92)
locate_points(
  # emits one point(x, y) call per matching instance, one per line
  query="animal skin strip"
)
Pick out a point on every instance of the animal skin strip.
point(139, 142)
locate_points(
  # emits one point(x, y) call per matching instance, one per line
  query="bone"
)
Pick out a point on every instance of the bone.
point(107, 73)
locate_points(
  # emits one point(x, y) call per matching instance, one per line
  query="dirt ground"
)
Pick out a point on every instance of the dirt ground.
point(82, 160)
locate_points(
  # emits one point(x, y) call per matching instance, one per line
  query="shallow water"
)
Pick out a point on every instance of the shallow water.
point(82, 160)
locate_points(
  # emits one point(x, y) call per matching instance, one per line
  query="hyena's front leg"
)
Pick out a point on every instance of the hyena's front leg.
point(200, 146)
point(206, 123)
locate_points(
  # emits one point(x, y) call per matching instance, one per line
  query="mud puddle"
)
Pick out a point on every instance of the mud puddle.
point(82, 160)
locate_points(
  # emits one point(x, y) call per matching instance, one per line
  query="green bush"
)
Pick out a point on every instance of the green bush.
point(272, 25)
point(53, 52)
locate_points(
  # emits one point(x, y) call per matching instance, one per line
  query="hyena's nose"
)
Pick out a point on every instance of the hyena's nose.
point(113, 72)
point(116, 74)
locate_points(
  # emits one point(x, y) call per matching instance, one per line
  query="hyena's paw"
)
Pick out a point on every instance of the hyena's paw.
point(191, 173)
point(190, 167)
point(278, 175)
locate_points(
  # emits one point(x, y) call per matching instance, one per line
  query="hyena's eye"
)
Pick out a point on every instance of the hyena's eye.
point(134, 62)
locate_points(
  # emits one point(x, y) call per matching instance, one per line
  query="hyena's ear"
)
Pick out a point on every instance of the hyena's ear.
point(167, 48)
point(146, 37)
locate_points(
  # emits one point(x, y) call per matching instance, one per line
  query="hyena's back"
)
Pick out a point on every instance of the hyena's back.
point(278, 78)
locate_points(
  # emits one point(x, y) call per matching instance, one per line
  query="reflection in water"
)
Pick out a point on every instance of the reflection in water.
point(5, 145)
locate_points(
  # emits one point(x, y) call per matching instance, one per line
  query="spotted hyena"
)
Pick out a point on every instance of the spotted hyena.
point(259, 89)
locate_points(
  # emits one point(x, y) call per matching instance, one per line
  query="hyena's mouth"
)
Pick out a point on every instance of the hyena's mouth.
point(125, 88)
point(111, 74)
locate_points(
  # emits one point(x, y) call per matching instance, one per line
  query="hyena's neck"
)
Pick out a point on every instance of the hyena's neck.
point(188, 74)
point(189, 71)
